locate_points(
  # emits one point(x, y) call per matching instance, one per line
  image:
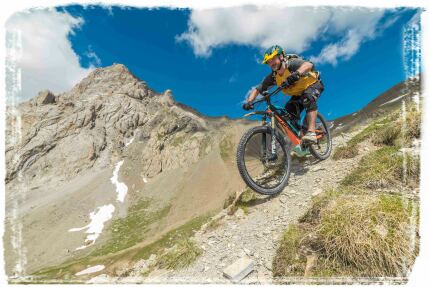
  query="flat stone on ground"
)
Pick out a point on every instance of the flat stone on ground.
point(239, 269)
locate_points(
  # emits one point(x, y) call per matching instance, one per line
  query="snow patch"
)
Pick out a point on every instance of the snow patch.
point(91, 269)
point(339, 126)
point(129, 141)
point(393, 100)
point(121, 188)
point(103, 213)
point(145, 180)
point(100, 279)
point(95, 227)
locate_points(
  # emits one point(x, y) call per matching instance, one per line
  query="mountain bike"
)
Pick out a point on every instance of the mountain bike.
point(263, 154)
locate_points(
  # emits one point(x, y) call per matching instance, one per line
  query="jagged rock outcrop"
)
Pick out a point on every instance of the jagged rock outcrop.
point(90, 124)
point(44, 97)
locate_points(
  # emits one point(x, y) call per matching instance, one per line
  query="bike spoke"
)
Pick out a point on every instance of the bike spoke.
point(265, 174)
point(323, 146)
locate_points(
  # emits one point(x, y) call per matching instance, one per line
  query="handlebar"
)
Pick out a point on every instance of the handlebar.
point(266, 95)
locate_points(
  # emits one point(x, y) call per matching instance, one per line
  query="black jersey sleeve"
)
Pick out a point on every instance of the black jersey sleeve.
point(294, 64)
point(267, 83)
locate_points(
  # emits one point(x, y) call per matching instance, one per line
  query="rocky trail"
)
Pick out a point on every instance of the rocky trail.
point(254, 235)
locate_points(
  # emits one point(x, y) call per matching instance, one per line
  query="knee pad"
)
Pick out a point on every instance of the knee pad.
point(310, 100)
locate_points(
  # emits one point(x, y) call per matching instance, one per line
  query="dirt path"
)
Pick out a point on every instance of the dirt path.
point(257, 233)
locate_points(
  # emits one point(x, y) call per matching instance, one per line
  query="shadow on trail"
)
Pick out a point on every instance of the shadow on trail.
point(299, 167)
point(258, 200)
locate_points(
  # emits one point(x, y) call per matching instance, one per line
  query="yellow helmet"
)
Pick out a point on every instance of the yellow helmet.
point(272, 52)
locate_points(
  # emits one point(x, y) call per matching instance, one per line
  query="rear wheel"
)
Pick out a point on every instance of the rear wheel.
point(322, 148)
point(263, 172)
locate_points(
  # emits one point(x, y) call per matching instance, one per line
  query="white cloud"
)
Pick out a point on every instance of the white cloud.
point(251, 25)
point(344, 49)
point(294, 28)
point(47, 59)
point(95, 60)
point(356, 27)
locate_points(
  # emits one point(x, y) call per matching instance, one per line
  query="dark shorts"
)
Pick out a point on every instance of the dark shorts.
point(307, 100)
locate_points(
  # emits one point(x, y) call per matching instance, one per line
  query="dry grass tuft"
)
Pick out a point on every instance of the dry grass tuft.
point(384, 168)
point(392, 130)
point(180, 255)
point(354, 234)
point(347, 151)
point(400, 132)
point(373, 234)
point(350, 150)
point(376, 170)
point(288, 260)
point(388, 136)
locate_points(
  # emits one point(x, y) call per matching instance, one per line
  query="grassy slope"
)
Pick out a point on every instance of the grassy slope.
point(173, 249)
point(362, 228)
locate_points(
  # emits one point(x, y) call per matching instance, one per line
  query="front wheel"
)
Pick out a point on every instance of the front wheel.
point(322, 148)
point(262, 171)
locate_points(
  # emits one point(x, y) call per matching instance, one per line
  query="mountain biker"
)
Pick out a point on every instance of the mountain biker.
point(300, 80)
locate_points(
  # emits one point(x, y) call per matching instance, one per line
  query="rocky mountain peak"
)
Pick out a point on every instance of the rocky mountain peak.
point(116, 72)
point(111, 80)
point(91, 123)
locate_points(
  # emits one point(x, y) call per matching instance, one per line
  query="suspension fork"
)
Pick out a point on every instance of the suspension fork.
point(263, 140)
point(272, 155)
point(272, 130)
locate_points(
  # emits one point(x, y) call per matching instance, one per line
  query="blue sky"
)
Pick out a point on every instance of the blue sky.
point(209, 59)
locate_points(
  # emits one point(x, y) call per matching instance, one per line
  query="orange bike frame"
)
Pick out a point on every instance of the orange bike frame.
point(292, 136)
